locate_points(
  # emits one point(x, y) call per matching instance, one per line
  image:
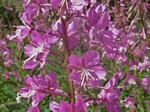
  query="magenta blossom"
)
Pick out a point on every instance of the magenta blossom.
point(35, 6)
point(109, 98)
point(128, 102)
point(145, 83)
point(37, 87)
point(26, 18)
point(71, 32)
point(111, 51)
point(131, 79)
point(66, 107)
point(110, 95)
point(20, 33)
point(97, 25)
point(37, 51)
point(145, 65)
point(86, 68)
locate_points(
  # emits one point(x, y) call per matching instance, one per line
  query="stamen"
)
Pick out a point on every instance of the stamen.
point(85, 75)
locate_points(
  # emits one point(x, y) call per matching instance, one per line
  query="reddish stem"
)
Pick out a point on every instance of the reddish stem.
point(68, 53)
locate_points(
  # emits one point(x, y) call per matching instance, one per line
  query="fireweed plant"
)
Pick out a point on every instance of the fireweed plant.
point(100, 52)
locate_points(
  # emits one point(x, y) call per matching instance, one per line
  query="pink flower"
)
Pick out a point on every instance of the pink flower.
point(35, 6)
point(20, 33)
point(131, 79)
point(145, 83)
point(128, 102)
point(145, 65)
point(86, 68)
point(37, 88)
point(97, 25)
point(37, 51)
point(71, 31)
point(110, 95)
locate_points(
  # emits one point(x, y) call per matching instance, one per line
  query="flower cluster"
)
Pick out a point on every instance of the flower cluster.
point(103, 55)
point(8, 62)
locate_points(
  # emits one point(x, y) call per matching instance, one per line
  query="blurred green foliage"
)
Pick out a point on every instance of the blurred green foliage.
point(9, 10)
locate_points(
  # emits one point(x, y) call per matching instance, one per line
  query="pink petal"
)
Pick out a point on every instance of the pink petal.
point(55, 3)
point(91, 58)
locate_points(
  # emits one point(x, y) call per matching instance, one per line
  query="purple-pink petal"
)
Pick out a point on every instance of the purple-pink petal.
point(33, 109)
point(30, 64)
point(24, 92)
point(80, 105)
point(73, 41)
point(65, 107)
point(75, 77)
point(28, 48)
point(28, 80)
point(54, 106)
point(107, 37)
point(51, 78)
point(92, 15)
point(91, 58)
point(36, 38)
point(75, 62)
point(103, 22)
point(55, 3)
point(111, 107)
point(112, 81)
point(99, 71)
point(37, 98)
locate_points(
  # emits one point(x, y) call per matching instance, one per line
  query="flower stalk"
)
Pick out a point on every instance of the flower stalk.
point(67, 52)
